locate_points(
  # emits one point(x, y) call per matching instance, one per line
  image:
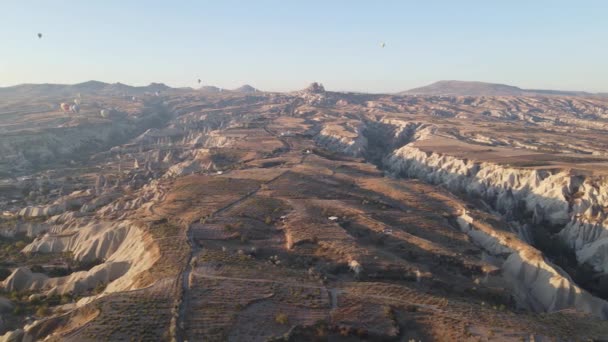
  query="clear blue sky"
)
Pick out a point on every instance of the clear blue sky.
point(284, 45)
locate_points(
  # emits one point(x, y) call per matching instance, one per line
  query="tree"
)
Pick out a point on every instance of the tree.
point(99, 288)
point(4, 273)
point(42, 311)
point(281, 318)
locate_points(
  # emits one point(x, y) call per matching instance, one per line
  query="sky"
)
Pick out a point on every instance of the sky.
point(287, 44)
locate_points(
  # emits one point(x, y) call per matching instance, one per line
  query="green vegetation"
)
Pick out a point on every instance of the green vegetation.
point(99, 288)
point(43, 310)
point(27, 303)
point(4, 273)
point(389, 312)
point(10, 248)
point(268, 220)
point(281, 318)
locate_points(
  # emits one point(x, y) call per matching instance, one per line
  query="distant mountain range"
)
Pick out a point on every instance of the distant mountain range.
point(469, 88)
point(242, 89)
point(451, 88)
point(102, 88)
point(83, 88)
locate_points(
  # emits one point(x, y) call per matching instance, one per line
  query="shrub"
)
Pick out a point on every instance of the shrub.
point(18, 310)
point(281, 318)
point(321, 329)
point(37, 269)
point(42, 311)
point(361, 332)
point(65, 298)
point(4, 273)
point(389, 313)
point(87, 265)
point(99, 288)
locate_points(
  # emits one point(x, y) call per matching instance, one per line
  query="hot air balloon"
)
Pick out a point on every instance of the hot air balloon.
point(382, 45)
point(75, 108)
point(39, 35)
point(65, 107)
point(104, 113)
point(199, 81)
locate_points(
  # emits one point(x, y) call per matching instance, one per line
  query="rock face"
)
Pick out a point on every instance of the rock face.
point(71, 202)
point(575, 203)
point(12, 336)
point(537, 284)
point(347, 139)
point(124, 249)
point(557, 198)
point(547, 195)
point(468, 88)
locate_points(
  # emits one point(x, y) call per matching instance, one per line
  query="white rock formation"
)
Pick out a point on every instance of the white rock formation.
point(124, 248)
point(347, 139)
point(548, 195)
point(536, 283)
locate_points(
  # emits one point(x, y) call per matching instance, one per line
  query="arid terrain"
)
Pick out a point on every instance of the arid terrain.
point(243, 215)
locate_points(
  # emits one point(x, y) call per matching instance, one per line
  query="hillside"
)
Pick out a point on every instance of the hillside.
point(471, 88)
point(245, 89)
point(88, 88)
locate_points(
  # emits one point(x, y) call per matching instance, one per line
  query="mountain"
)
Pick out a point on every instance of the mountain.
point(472, 88)
point(89, 87)
point(245, 89)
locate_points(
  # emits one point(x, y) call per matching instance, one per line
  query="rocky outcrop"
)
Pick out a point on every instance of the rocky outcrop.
point(12, 336)
point(346, 139)
point(70, 202)
point(372, 139)
point(536, 283)
point(124, 248)
point(553, 197)
point(558, 198)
